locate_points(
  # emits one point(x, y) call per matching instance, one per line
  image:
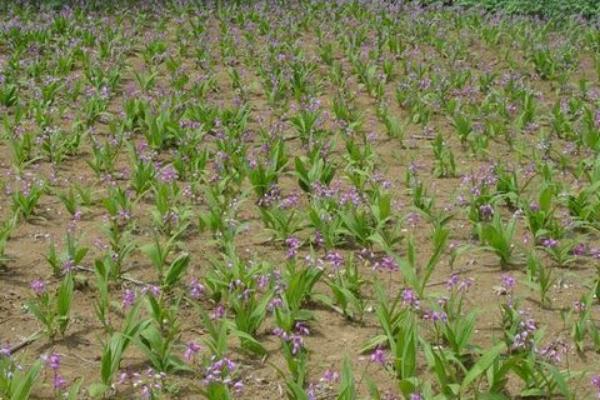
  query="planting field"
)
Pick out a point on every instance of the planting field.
point(298, 200)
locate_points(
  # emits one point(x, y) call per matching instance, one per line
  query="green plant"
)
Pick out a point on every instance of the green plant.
point(17, 381)
point(6, 230)
point(498, 238)
point(25, 201)
point(346, 286)
point(417, 276)
point(169, 274)
point(53, 310)
point(445, 165)
point(71, 257)
point(114, 349)
point(313, 170)
point(102, 306)
point(8, 95)
point(540, 277)
point(265, 175)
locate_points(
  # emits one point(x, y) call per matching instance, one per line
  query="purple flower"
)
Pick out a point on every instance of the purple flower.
point(579, 307)
point(152, 290)
point(554, 351)
point(508, 283)
point(442, 301)
point(191, 350)
point(68, 265)
point(5, 351)
point(38, 286)
point(330, 376)
point(579, 250)
point(301, 329)
point(486, 212)
point(526, 238)
point(123, 216)
point(196, 289)
point(319, 241)
point(219, 370)
point(290, 201)
point(145, 392)
point(270, 197)
point(294, 339)
point(335, 259)
point(534, 206)
point(77, 216)
point(409, 298)
point(367, 256)
point(280, 333)
point(310, 392)
point(378, 357)
point(218, 312)
point(387, 263)
point(263, 281)
point(276, 302)
point(128, 298)
point(416, 396)
point(524, 338)
point(435, 316)
point(297, 343)
point(351, 196)
point(453, 281)
point(53, 361)
point(59, 382)
point(462, 285)
point(168, 174)
point(596, 383)
point(238, 386)
point(549, 243)
point(123, 377)
point(293, 244)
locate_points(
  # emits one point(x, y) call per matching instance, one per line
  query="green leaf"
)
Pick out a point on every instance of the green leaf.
point(482, 365)
point(296, 391)
point(255, 345)
point(176, 270)
point(559, 379)
point(492, 396)
point(106, 362)
point(73, 393)
point(347, 389)
point(373, 390)
point(97, 390)
point(25, 384)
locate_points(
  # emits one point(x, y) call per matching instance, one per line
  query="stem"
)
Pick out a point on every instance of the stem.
point(125, 278)
point(25, 342)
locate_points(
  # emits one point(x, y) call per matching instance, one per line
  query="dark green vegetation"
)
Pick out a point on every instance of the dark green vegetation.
point(544, 8)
